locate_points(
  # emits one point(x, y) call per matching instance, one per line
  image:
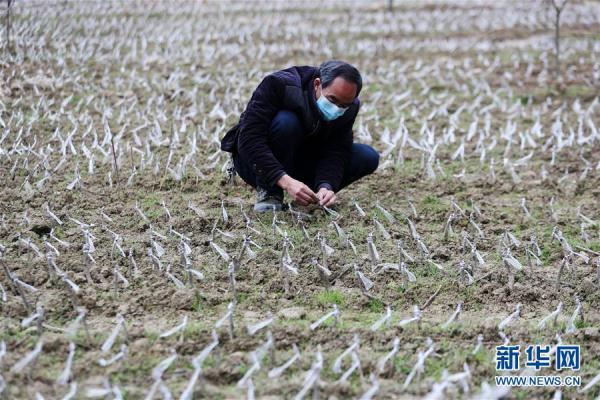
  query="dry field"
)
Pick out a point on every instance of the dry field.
point(132, 269)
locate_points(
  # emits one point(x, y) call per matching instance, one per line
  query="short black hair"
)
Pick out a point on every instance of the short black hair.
point(329, 70)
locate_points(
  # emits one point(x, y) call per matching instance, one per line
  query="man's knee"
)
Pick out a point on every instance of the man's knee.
point(369, 158)
point(286, 123)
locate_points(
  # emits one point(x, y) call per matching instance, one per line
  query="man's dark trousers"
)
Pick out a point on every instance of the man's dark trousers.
point(288, 144)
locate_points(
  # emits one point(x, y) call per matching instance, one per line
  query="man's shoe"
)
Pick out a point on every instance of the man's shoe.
point(267, 202)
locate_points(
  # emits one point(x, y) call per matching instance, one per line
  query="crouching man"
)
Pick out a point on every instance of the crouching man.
point(295, 135)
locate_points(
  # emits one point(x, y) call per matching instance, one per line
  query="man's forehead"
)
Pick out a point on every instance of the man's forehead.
point(342, 89)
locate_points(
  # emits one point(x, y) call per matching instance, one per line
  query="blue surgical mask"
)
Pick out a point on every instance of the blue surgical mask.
point(329, 110)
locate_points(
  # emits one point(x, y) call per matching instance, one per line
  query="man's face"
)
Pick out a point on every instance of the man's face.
point(340, 92)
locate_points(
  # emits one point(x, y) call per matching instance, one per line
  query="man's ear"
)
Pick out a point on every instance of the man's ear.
point(317, 83)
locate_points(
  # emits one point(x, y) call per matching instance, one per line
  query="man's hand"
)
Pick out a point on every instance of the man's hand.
point(326, 197)
point(301, 193)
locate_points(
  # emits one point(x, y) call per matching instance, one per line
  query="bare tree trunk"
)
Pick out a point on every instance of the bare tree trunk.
point(558, 8)
point(557, 45)
point(8, 2)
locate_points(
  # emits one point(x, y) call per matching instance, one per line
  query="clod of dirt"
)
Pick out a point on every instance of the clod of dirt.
point(292, 313)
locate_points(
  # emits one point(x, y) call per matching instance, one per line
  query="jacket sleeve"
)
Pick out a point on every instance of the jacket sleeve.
point(254, 128)
point(335, 158)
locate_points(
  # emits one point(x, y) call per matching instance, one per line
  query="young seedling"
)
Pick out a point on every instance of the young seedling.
point(197, 210)
point(365, 283)
point(177, 329)
point(415, 318)
point(29, 245)
point(250, 389)
point(343, 238)
point(526, 213)
point(244, 249)
point(64, 244)
point(287, 265)
point(423, 250)
point(373, 253)
point(88, 248)
point(227, 317)
point(476, 226)
point(221, 252)
point(571, 324)
point(79, 320)
point(49, 213)
point(141, 213)
point(511, 264)
point(274, 226)
point(351, 244)
point(510, 319)
point(156, 263)
point(387, 215)
point(464, 277)
point(448, 226)
point(17, 286)
point(479, 344)
point(51, 254)
point(360, 211)
point(552, 316)
point(564, 262)
point(385, 319)
point(476, 209)
point(119, 356)
point(67, 373)
point(492, 170)
point(337, 364)
point(303, 227)
point(353, 367)
point(173, 278)
point(510, 240)
point(110, 340)
point(477, 259)
point(413, 209)
point(332, 213)
point(251, 371)
point(335, 314)
point(419, 366)
point(384, 233)
point(585, 237)
point(590, 384)
point(391, 355)
point(157, 373)
point(324, 273)
point(403, 256)
point(76, 182)
point(278, 371)
point(185, 252)
point(267, 346)
point(232, 282)
point(224, 212)
point(453, 317)
point(38, 317)
point(326, 250)
point(252, 329)
point(118, 276)
point(29, 358)
point(132, 270)
point(313, 377)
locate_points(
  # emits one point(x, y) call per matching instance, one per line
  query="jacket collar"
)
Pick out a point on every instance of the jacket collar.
point(312, 101)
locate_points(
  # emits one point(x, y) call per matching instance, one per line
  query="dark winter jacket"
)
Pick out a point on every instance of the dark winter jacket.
point(292, 89)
